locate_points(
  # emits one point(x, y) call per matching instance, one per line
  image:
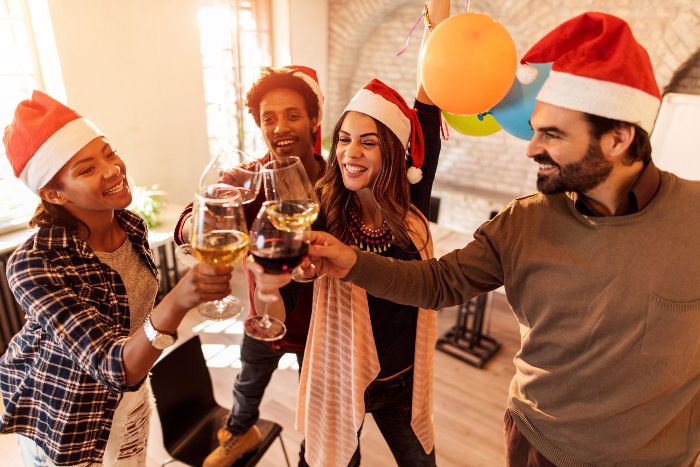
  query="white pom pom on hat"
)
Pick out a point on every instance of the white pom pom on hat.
point(526, 74)
point(415, 175)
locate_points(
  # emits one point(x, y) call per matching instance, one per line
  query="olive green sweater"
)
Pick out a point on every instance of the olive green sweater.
point(609, 310)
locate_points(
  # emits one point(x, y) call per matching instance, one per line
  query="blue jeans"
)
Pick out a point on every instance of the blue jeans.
point(389, 402)
point(258, 361)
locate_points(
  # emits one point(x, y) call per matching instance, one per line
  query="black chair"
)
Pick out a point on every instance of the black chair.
point(189, 415)
point(11, 314)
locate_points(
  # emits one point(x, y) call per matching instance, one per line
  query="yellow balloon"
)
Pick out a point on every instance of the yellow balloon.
point(468, 64)
point(472, 125)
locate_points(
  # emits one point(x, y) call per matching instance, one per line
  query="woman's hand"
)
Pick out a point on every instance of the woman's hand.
point(330, 256)
point(202, 283)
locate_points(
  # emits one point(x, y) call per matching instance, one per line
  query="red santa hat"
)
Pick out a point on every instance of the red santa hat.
point(384, 104)
point(599, 68)
point(42, 137)
point(308, 75)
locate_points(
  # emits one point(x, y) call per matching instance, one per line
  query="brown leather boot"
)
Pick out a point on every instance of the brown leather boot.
point(232, 447)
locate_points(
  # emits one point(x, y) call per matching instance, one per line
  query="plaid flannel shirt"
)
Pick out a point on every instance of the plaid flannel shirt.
point(62, 375)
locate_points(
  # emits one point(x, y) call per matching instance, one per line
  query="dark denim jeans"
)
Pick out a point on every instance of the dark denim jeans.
point(389, 402)
point(258, 361)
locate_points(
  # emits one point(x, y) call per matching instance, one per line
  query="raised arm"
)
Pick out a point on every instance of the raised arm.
point(429, 118)
point(438, 10)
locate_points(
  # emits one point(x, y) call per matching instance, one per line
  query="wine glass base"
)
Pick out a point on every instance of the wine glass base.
point(226, 308)
point(298, 275)
point(256, 328)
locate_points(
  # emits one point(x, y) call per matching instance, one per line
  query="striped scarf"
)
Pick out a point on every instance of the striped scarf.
point(340, 362)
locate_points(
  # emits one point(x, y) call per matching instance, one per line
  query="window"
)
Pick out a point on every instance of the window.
point(235, 44)
point(20, 73)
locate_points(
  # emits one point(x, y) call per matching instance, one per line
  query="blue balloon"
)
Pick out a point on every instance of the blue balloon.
point(514, 111)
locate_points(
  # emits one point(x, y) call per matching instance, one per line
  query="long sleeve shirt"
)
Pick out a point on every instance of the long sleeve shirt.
point(63, 375)
point(609, 313)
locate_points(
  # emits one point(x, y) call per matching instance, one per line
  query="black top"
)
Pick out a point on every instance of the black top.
point(394, 325)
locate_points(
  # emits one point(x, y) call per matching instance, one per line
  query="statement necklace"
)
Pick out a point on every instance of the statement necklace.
point(374, 240)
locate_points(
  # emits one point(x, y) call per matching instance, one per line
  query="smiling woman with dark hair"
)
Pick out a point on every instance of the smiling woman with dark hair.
point(365, 354)
point(72, 379)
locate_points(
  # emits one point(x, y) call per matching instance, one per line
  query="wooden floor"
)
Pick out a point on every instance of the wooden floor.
point(469, 402)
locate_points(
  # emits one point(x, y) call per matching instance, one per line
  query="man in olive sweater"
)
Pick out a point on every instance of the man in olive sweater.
point(601, 268)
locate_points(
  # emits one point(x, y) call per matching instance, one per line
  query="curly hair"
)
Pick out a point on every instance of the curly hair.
point(390, 190)
point(279, 78)
point(49, 214)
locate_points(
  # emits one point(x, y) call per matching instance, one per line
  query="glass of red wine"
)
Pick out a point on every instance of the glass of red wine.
point(295, 206)
point(278, 251)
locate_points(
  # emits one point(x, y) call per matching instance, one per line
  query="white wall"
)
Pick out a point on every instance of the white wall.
point(134, 68)
point(308, 28)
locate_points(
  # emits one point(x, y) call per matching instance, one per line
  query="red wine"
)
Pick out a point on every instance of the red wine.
point(280, 258)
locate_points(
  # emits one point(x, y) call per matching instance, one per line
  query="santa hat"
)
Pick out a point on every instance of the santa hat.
point(308, 75)
point(599, 68)
point(384, 104)
point(43, 136)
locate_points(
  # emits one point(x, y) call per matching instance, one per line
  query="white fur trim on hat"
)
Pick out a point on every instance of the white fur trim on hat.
point(56, 151)
point(602, 98)
point(374, 105)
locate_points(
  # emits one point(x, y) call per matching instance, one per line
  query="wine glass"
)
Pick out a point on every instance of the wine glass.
point(278, 251)
point(294, 205)
point(219, 237)
point(235, 168)
point(238, 169)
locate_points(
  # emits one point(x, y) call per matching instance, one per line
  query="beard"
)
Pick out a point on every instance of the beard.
point(580, 176)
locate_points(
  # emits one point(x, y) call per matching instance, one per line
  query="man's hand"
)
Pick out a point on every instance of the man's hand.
point(330, 256)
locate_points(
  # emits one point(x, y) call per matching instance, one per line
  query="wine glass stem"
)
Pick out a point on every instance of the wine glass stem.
point(265, 323)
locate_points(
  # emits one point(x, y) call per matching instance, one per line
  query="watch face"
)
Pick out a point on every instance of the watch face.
point(163, 341)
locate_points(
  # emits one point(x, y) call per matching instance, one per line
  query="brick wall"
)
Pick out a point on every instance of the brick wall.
point(687, 78)
point(477, 175)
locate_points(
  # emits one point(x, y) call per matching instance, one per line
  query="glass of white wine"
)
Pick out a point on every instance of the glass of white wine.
point(219, 237)
point(292, 205)
point(236, 168)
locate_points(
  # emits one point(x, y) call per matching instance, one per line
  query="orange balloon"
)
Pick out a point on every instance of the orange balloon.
point(468, 64)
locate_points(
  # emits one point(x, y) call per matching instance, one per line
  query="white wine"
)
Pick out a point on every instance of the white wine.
point(220, 247)
point(292, 216)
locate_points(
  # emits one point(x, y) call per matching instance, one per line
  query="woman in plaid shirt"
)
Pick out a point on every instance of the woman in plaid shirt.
point(72, 380)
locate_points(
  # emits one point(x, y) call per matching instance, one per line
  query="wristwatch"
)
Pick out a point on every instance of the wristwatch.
point(159, 340)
